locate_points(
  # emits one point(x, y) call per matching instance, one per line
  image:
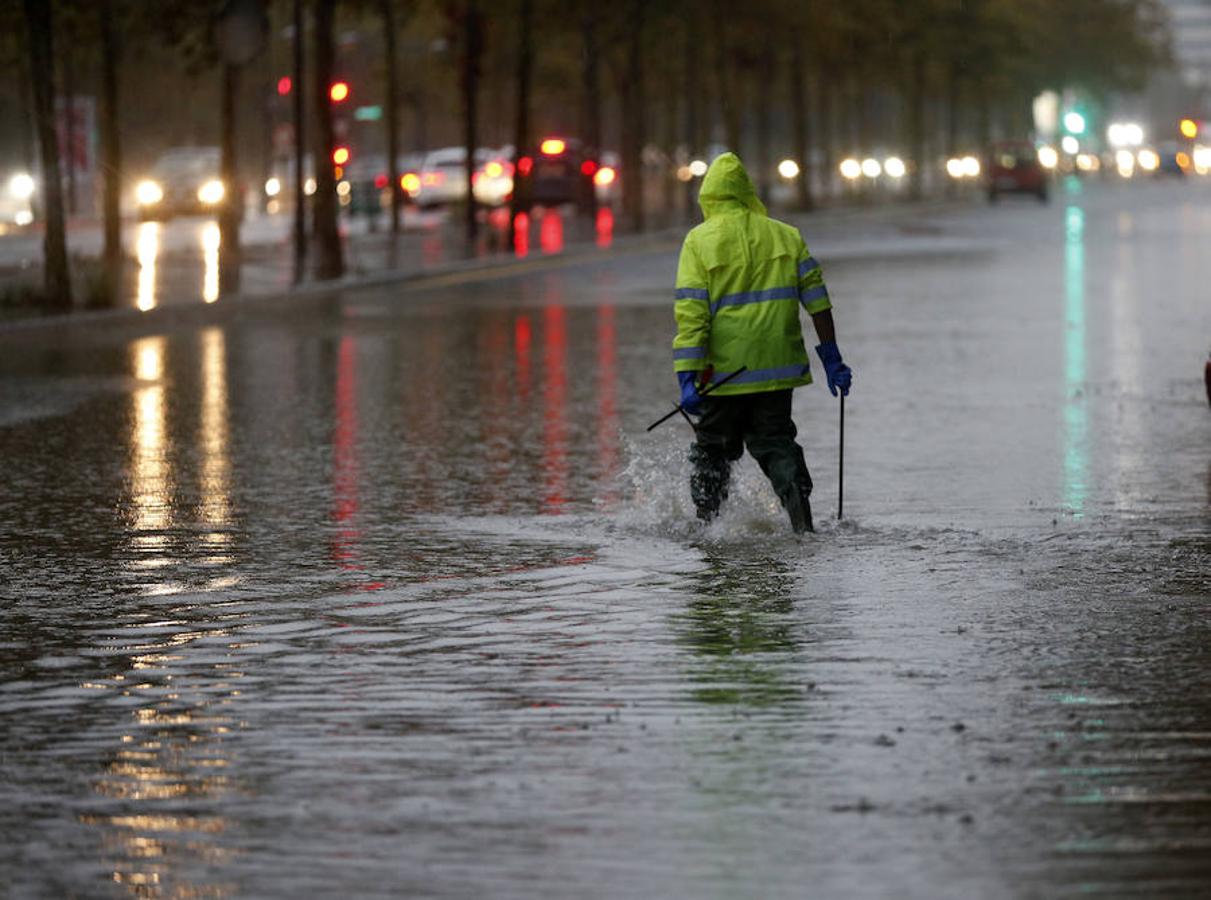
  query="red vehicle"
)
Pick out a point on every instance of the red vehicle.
point(1014, 168)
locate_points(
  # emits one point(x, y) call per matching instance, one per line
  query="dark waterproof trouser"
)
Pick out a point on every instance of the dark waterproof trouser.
point(762, 423)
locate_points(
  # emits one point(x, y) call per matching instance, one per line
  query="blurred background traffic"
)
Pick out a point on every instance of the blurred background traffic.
point(279, 141)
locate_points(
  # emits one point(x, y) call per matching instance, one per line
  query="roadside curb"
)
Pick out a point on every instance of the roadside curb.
point(662, 240)
point(498, 266)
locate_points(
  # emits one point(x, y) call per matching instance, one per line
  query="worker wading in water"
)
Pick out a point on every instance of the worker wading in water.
point(740, 282)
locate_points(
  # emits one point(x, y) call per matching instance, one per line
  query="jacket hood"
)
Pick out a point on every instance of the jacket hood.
point(727, 185)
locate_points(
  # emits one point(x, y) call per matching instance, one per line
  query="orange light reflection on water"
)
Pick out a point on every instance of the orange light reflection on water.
point(211, 239)
point(147, 248)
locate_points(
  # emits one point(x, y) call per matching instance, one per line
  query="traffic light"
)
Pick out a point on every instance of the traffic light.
point(1189, 128)
point(340, 156)
point(1074, 122)
point(339, 92)
point(284, 85)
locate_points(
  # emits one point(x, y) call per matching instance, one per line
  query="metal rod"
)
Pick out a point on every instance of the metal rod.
point(841, 462)
point(677, 409)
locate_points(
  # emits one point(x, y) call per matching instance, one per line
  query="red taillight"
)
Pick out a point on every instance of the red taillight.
point(553, 146)
point(524, 165)
point(380, 181)
point(588, 167)
point(605, 175)
point(433, 179)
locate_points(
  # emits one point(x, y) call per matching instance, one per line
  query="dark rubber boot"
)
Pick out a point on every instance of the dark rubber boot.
point(709, 481)
point(799, 508)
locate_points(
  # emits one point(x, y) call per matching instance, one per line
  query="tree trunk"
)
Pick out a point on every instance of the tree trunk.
point(725, 72)
point(470, 86)
point(916, 125)
point(296, 110)
point(391, 118)
point(592, 81)
point(111, 153)
point(329, 261)
point(800, 122)
point(766, 71)
point(983, 123)
point(39, 22)
point(694, 141)
point(69, 131)
point(671, 130)
point(952, 120)
point(521, 113)
point(824, 108)
point(231, 211)
point(632, 118)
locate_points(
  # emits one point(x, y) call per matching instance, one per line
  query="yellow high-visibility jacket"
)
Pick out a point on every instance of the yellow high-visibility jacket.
point(741, 279)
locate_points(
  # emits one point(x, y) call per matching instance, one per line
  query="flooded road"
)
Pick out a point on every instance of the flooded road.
point(389, 593)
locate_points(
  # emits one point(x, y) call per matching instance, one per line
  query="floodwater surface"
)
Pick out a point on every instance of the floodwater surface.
point(389, 593)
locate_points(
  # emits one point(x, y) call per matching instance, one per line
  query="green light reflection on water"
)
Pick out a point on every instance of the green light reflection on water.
point(1076, 425)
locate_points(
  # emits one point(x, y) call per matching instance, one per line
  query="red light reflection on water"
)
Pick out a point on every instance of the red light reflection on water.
point(521, 347)
point(521, 234)
point(551, 231)
point(608, 451)
point(555, 391)
point(345, 466)
point(605, 226)
point(494, 349)
point(344, 458)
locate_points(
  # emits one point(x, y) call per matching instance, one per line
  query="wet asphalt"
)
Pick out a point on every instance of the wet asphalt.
point(388, 592)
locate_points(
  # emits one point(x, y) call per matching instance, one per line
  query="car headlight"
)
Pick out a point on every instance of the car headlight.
point(21, 186)
point(148, 193)
point(211, 192)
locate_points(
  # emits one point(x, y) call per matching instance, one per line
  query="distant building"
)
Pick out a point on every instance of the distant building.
point(1190, 26)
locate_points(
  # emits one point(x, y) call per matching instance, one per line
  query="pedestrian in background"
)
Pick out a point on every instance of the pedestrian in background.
point(741, 279)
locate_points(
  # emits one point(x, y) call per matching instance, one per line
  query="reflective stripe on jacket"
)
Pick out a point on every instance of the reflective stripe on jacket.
point(741, 279)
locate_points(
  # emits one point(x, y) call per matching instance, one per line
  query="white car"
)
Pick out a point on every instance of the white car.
point(184, 181)
point(443, 177)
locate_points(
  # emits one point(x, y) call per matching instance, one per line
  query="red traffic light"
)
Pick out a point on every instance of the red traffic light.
point(284, 85)
point(340, 155)
point(339, 92)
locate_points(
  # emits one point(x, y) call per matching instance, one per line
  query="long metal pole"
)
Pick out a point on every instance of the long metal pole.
point(296, 96)
point(841, 462)
point(702, 393)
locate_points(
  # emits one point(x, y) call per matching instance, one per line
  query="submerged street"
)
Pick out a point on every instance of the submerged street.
point(388, 592)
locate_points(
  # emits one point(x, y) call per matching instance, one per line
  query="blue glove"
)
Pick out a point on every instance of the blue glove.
point(839, 375)
point(690, 401)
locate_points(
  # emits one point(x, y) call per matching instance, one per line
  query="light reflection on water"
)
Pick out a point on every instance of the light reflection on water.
point(147, 248)
point(459, 717)
point(1076, 422)
point(150, 479)
point(174, 683)
point(214, 439)
point(211, 238)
